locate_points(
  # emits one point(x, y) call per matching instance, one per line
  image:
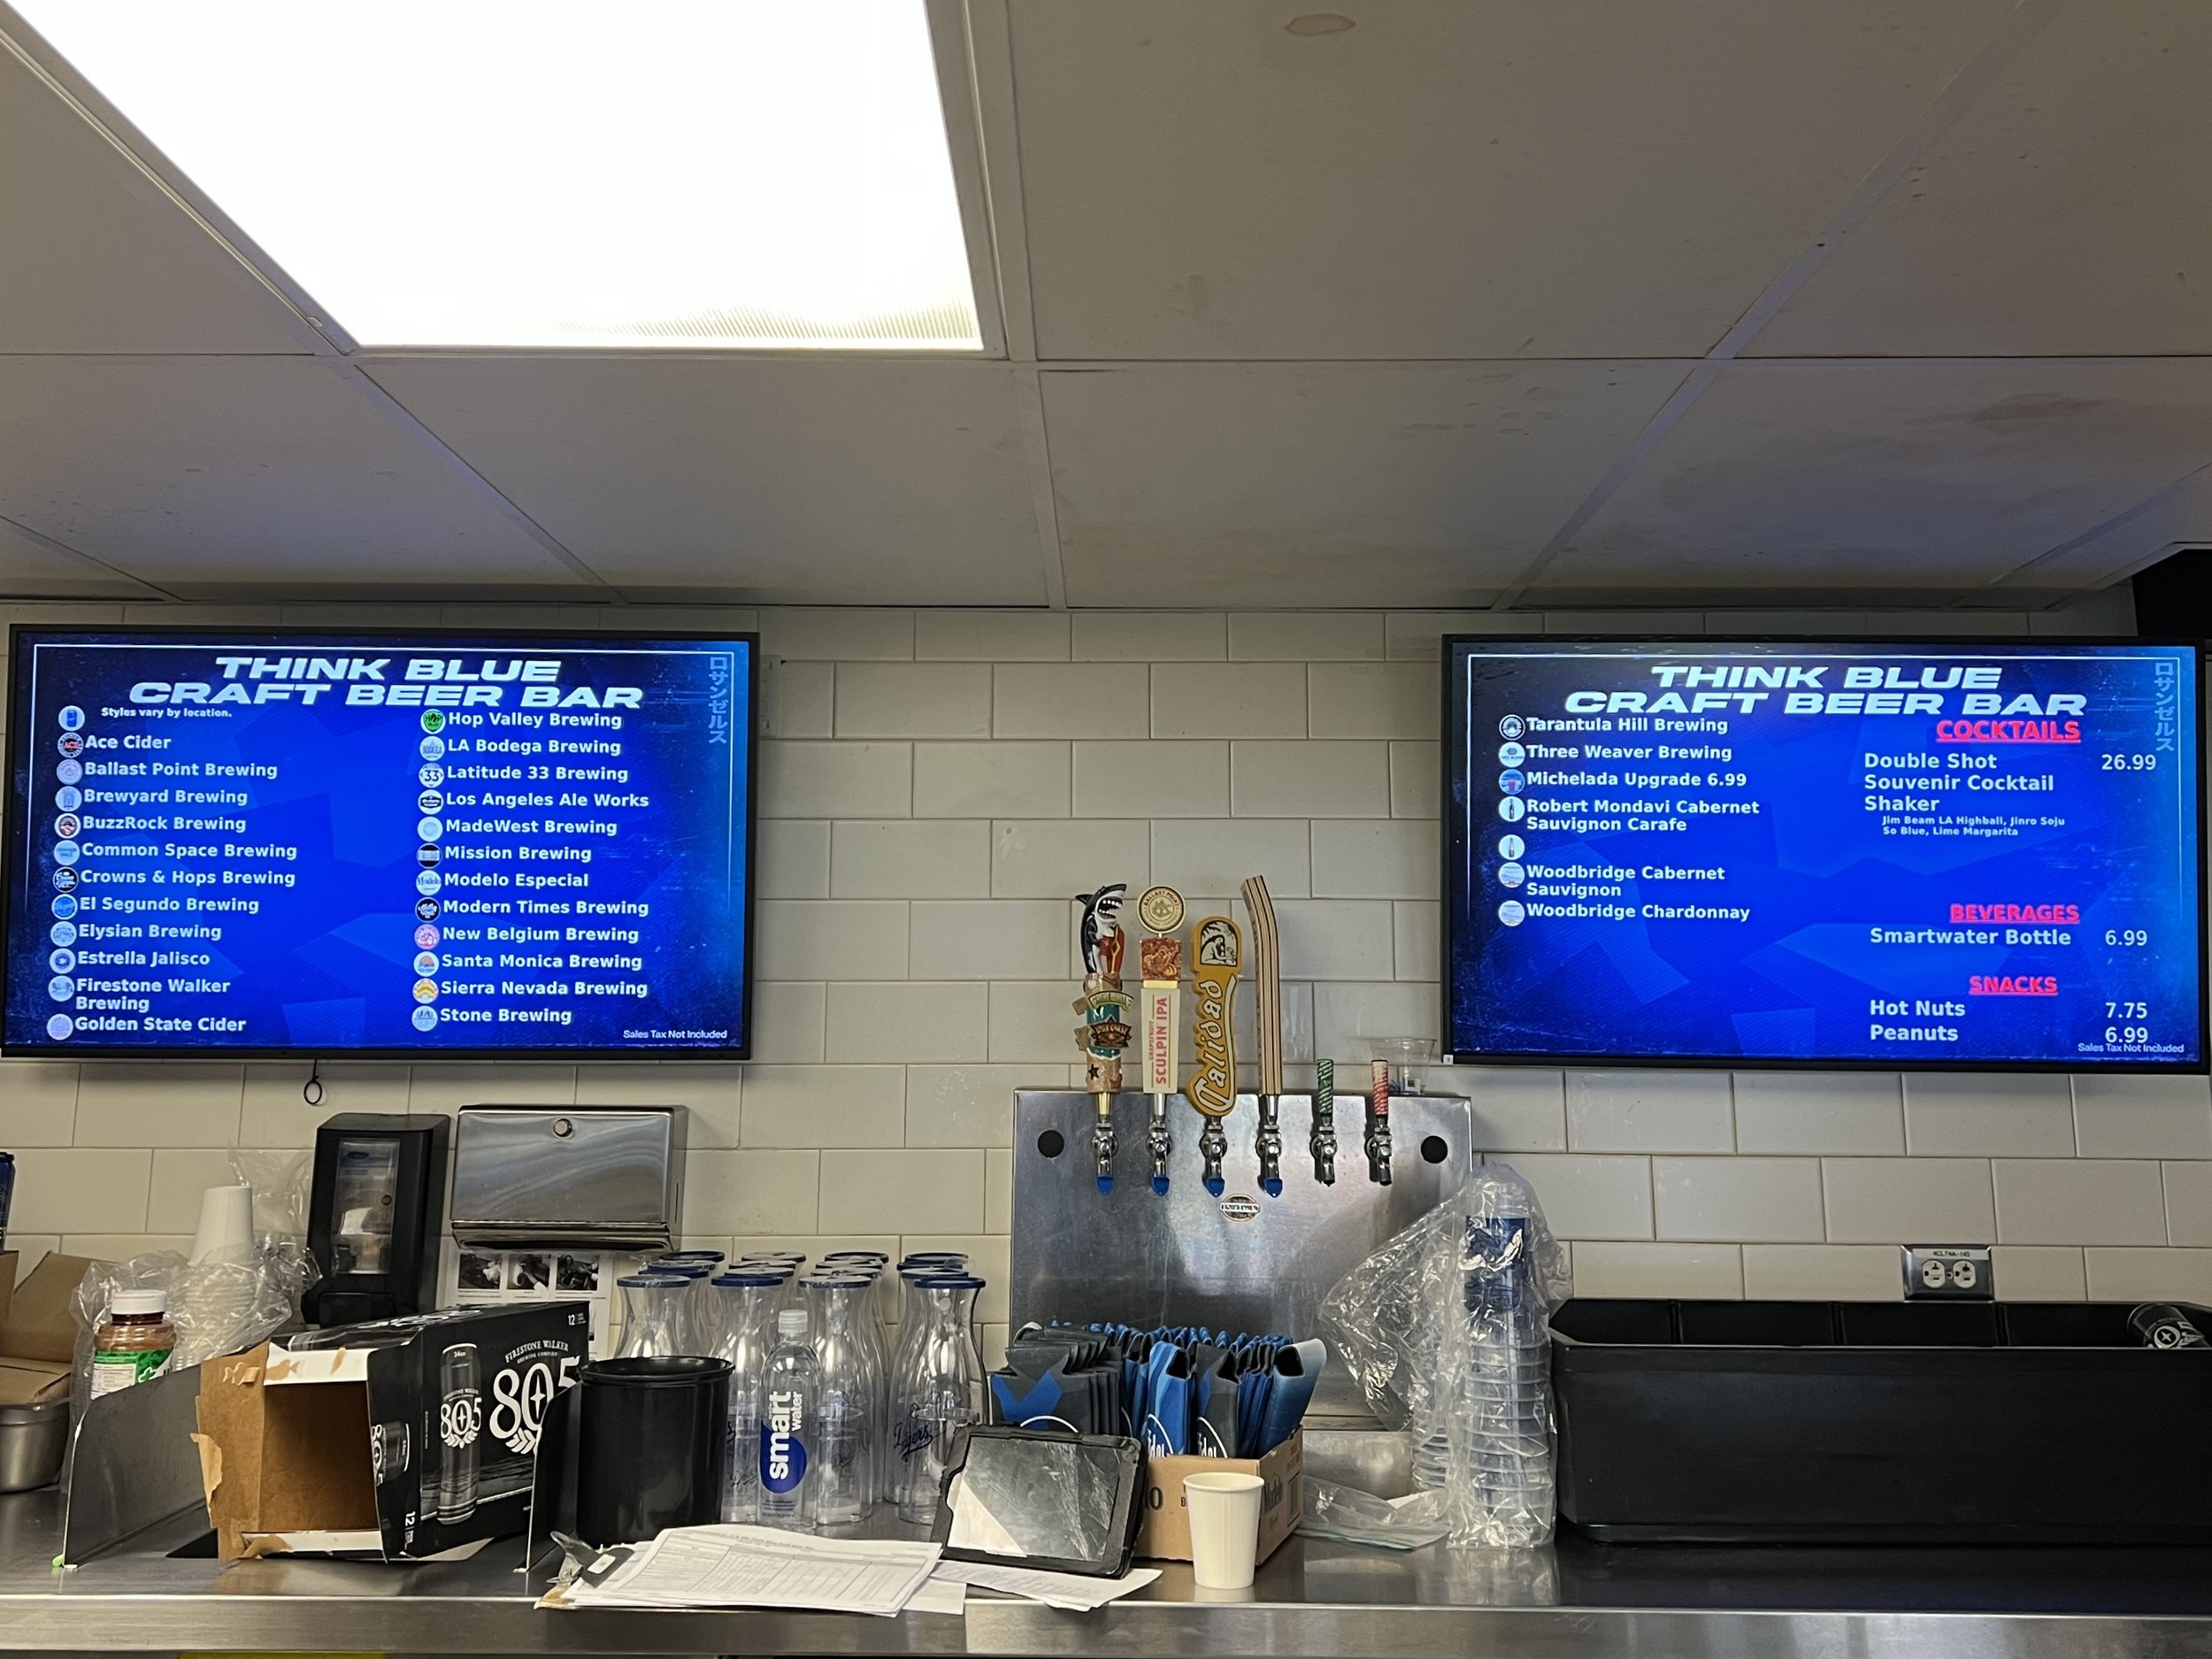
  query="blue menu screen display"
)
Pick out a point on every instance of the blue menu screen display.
point(321, 843)
point(1912, 856)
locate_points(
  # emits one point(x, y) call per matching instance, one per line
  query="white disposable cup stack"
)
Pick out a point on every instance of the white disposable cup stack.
point(1224, 1528)
point(225, 1230)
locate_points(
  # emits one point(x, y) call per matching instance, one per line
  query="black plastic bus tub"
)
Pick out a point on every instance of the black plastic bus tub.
point(1838, 1423)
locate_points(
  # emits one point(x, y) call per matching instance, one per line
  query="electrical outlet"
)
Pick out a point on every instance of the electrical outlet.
point(1952, 1272)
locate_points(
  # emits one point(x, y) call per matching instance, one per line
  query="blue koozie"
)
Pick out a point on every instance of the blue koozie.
point(7, 1193)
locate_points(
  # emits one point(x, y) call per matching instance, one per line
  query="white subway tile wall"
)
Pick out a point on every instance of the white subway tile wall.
point(936, 785)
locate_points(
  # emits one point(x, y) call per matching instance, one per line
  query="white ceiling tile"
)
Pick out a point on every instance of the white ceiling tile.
point(97, 258)
point(758, 480)
point(211, 475)
point(1826, 477)
point(33, 568)
point(1522, 178)
point(2067, 212)
point(1328, 484)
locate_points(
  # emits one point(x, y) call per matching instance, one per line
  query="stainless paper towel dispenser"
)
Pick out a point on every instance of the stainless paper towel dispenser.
point(604, 1178)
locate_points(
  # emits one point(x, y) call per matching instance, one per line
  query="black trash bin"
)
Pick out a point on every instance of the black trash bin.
point(1839, 1423)
point(650, 1449)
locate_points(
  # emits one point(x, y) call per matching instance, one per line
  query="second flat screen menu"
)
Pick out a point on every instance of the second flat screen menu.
point(1911, 855)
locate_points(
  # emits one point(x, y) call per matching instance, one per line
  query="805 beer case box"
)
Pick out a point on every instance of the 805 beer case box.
point(399, 1440)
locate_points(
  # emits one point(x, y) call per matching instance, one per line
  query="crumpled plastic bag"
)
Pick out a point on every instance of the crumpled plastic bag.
point(218, 1306)
point(1361, 1518)
point(1411, 1323)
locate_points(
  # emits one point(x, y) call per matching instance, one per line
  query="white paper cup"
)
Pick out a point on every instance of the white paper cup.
point(1224, 1528)
point(225, 1231)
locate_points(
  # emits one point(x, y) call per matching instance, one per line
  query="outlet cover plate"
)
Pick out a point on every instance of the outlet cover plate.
point(1948, 1272)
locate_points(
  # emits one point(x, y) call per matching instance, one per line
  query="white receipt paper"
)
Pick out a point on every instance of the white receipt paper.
point(1075, 1592)
point(759, 1566)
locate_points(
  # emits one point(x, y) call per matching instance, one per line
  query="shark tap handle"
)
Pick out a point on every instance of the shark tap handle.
point(1104, 1006)
point(1160, 960)
point(1267, 984)
point(1217, 954)
point(1322, 1143)
point(1378, 1127)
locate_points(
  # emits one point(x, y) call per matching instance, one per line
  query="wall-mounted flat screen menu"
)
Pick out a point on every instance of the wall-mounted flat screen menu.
point(1914, 855)
point(433, 843)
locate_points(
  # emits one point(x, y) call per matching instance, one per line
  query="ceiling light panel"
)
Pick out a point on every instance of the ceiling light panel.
point(578, 173)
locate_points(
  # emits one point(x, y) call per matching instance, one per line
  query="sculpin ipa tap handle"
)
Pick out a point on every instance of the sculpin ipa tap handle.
point(1160, 960)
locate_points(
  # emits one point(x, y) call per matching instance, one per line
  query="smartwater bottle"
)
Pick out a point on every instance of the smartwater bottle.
point(788, 1417)
point(459, 1421)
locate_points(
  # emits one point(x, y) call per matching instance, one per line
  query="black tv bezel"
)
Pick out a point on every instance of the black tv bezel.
point(1560, 1060)
point(17, 826)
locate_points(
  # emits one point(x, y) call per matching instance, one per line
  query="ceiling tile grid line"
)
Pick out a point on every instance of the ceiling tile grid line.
point(76, 559)
point(243, 259)
point(235, 252)
point(358, 378)
point(2003, 44)
point(990, 65)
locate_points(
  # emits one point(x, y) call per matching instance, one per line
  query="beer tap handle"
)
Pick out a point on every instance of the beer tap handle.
point(1322, 1141)
point(1267, 985)
point(1267, 1143)
point(1378, 1127)
point(1105, 1007)
point(1213, 1146)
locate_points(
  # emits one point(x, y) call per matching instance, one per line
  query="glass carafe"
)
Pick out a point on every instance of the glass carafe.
point(938, 1387)
point(847, 1403)
point(746, 1335)
point(655, 1315)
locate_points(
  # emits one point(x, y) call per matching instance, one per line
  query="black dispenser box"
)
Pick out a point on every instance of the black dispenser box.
point(1891, 1423)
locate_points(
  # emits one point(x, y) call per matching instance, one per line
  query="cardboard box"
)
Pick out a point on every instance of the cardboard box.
point(38, 1333)
point(1165, 1533)
point(400, 1440)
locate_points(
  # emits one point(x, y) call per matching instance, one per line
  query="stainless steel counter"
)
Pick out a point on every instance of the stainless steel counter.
point(1312, 1598)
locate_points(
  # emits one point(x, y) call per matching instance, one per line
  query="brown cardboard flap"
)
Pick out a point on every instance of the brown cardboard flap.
point(315, 1471)
point(10, 1264)
point(39, 1324)
point(30, 1382)
point(230, 1419)
point(281, 1460)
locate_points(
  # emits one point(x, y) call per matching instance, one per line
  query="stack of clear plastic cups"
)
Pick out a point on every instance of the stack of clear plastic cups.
point(1501, 1439)
point(749, 1302)
point(655, 1315)
point(937, 1386)
point(845, 1453)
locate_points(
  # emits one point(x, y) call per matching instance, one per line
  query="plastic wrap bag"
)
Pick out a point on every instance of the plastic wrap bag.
point(1441, 1303)
point(1361, 1518)
point(1496, 1406)
point(217, 1307)
point(280, 1183)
